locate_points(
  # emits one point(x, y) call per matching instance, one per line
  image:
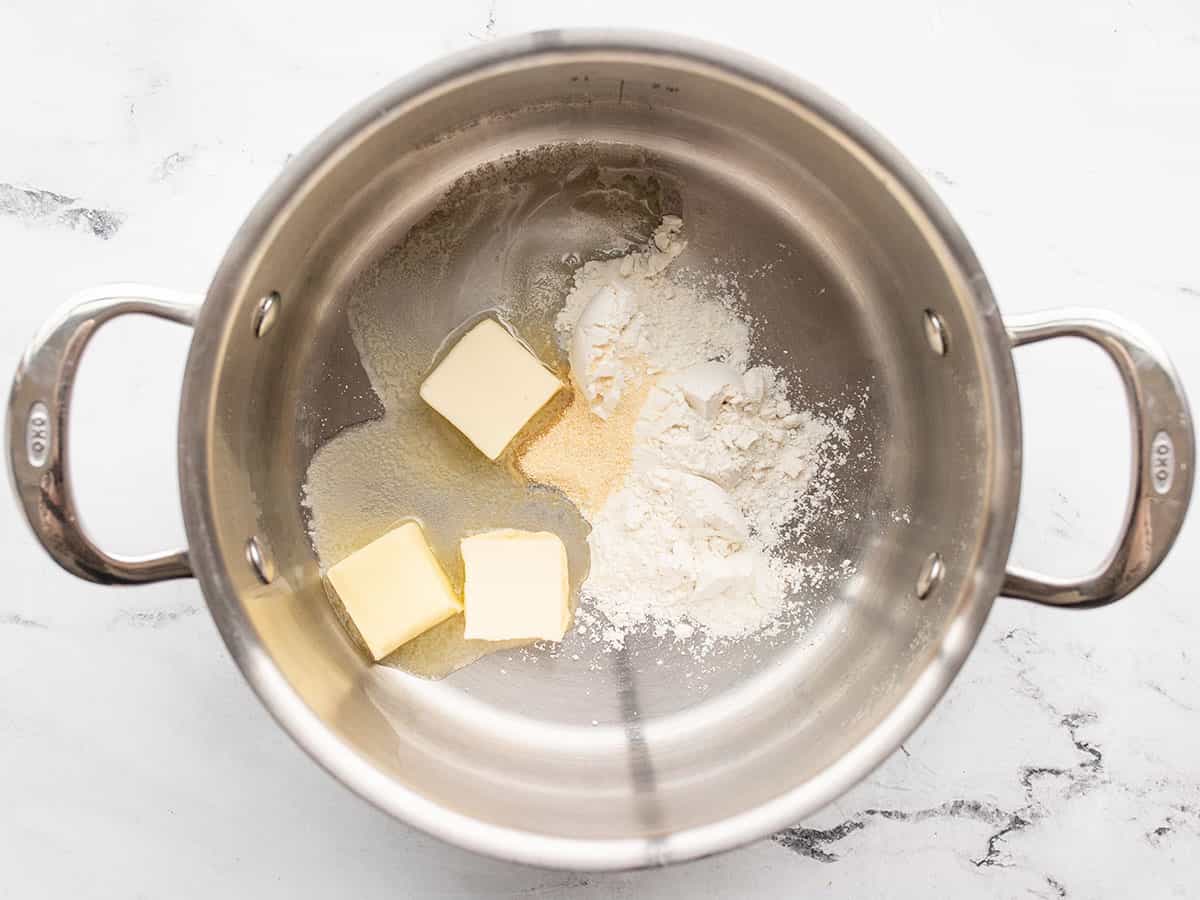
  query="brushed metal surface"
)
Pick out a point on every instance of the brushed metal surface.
point(1164, 457)
point(399, 199)
point(39, 407)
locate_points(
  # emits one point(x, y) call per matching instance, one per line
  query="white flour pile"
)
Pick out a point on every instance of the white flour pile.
point(721, 463)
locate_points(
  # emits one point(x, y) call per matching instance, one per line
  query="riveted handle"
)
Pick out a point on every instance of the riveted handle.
point(38, 409)
point(1164, 452)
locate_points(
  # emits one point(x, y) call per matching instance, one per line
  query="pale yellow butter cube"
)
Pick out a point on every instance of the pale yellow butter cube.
point(394, 589)
point(489, 386)
point(517, 586)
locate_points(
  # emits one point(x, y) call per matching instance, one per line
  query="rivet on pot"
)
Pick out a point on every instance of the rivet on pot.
point(930, 576)
point(935, 333)
point(260, 561)
point(266, 313)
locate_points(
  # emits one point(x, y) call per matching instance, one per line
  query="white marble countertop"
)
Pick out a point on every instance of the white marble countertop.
point(1065, 760)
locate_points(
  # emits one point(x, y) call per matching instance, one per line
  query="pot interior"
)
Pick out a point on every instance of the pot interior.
point(441, 201)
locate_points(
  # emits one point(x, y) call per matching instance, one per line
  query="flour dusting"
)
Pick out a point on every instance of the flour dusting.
point(698, 541)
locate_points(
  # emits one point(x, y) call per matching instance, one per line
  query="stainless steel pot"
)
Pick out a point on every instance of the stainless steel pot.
point(877, 288)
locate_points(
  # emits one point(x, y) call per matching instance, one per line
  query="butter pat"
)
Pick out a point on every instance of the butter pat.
point(517, 586)
point(394, 589)
point(489, 386)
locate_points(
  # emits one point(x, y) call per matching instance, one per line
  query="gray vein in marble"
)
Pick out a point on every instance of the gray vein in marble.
point(489, 26)
point(153, 618)
point(1170, 698)
point(810, 841)
point(170, 164)
point(1015, 822)
point(42, 206)
point(1155, 837)
point(1073, 722)
point(1062, 526)
point(941, 177)
point(1029, 773)
point(1173, 823)
point(815, 843)
point(572, 880)
point(20, 621)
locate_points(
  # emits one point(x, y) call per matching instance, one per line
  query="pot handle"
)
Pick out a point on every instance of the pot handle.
point(38, 406)
point(1164, 451)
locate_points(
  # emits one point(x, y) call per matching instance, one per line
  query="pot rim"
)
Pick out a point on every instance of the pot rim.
point(198, 409)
